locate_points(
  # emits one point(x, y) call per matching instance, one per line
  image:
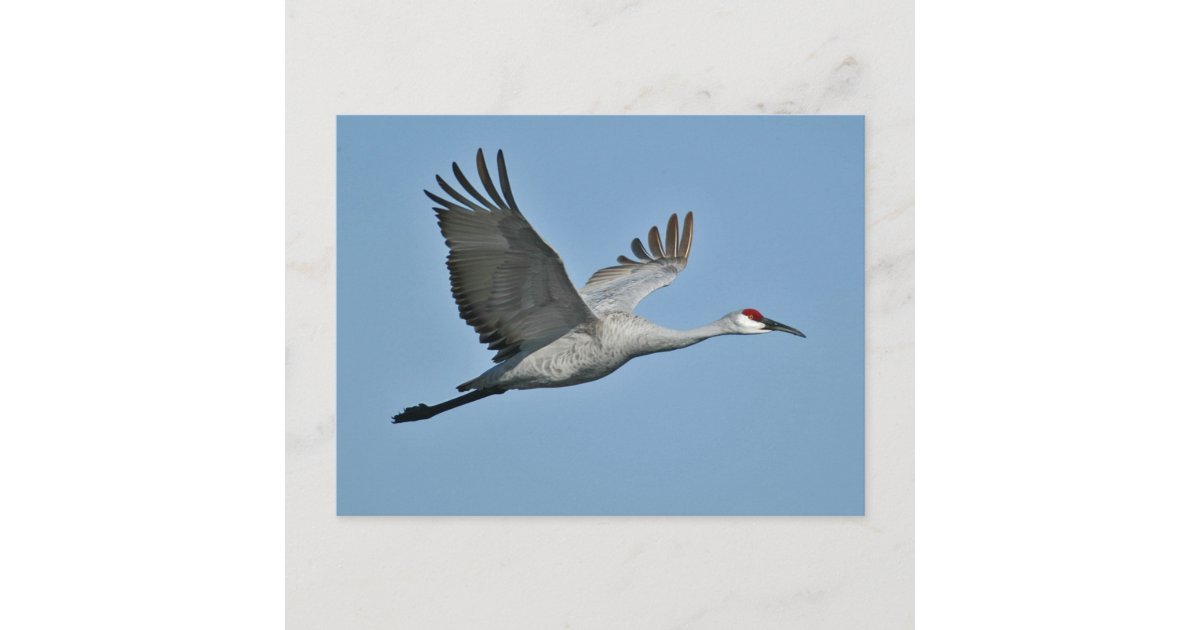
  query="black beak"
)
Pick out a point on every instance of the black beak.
point(774, 325)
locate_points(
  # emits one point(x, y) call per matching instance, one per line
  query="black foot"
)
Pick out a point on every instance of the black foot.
point(420, 412)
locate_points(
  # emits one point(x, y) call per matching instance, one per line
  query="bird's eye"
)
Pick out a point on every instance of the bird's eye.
point(752, 314)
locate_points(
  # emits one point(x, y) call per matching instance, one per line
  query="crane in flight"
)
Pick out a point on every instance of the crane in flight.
point(512, 288)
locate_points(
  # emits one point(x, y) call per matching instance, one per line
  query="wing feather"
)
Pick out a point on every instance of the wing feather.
point(466, 184)
point(672, 235)
point(481, 164)
point(509, 284)
point(622, 287)
point(639, 250)
point(508, 196)
point(656, 246)
point(467, 203)
point(686, 240)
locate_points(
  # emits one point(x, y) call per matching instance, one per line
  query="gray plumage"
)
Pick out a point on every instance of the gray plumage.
point(620, 288)
point(513, 289)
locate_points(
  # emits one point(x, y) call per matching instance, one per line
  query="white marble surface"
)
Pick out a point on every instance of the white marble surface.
point(554, 57)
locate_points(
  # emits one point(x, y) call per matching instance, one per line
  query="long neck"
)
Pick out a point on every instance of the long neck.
point(668, 339)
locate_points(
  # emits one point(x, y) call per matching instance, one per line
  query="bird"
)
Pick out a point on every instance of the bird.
point(512, 288)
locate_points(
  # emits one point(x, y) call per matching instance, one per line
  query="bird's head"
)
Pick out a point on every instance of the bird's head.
point(751, 322)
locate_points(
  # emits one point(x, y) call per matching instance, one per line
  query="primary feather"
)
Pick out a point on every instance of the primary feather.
point(510, 286)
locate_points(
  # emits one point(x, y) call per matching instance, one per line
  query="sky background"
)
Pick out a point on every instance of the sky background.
point(737, 425)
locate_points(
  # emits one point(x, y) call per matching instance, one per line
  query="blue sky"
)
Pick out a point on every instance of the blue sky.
point(738, 425)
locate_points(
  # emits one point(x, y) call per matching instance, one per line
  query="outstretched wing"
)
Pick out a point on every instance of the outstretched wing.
point(510, 286)
point(621, 287)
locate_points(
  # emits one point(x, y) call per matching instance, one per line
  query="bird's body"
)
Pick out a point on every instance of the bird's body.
point(512, 287)
point(589, 351)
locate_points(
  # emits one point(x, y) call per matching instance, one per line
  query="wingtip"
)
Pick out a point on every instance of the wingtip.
point(685, 239)
point(672, 242)
point(505, 187)
point(655, 239)
point(639, 250)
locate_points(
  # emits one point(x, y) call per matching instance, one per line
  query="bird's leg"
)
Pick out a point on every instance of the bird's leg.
point(423, 411)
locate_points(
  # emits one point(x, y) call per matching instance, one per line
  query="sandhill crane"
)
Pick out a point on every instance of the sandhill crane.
point(512, 288)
